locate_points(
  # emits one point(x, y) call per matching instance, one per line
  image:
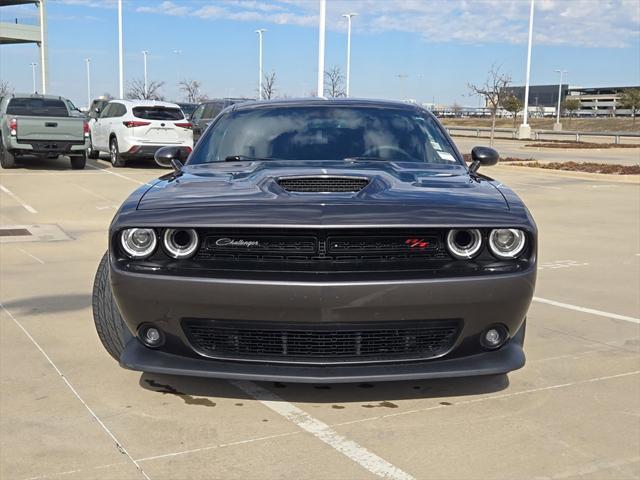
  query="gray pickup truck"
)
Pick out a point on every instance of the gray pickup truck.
point(41, 126)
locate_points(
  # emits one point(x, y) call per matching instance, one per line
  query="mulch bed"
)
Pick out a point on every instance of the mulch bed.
point(587, 145)
point(588, 167)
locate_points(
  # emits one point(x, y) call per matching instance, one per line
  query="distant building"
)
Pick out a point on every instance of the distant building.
point(594, 101)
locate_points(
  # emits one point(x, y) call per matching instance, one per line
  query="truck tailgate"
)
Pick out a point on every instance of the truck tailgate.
point(50, 128)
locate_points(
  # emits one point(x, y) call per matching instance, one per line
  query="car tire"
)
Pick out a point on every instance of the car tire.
point(112, 331)
point(7, 160)
point(114, 153)
point(91, 153)
point(78, 161)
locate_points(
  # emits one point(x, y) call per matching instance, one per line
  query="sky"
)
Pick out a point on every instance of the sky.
point(439, 45)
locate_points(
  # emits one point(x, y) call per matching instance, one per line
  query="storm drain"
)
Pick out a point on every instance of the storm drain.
point(32, 233)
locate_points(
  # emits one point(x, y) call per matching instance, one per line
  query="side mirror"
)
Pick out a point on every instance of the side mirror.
point(97, 110)
point(172, 156)
point(483, 156)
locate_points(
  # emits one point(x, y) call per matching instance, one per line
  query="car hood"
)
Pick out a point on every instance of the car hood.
point(233, 190)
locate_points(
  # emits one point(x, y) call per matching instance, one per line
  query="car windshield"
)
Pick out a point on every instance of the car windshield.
point(326, 133)
point(158, 113)
point(37, 107)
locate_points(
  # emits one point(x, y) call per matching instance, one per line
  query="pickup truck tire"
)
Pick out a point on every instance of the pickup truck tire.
point(93, 154)
point(112, 331)
point(78, 161)
point(7, 160)
point(114, 152)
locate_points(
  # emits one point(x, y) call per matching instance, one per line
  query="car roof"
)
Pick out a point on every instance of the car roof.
point(145, 103)
point(36, 95)
point(321, 101)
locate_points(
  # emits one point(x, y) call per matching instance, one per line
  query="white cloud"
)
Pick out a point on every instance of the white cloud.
point(590, 23)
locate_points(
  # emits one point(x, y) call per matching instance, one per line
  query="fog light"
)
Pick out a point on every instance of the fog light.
point(151, 336)
point(494, 337)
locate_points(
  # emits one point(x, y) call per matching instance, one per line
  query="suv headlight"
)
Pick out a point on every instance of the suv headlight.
point(464, 244)
point(138, 243)
point(507, 243)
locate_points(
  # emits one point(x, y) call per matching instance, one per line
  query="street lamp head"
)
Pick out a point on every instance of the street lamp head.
point(260, 31)
point(349, 15)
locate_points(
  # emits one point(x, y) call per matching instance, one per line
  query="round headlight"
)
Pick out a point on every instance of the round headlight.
point(180, 242)
point(464, 244)
point(507, 243)
point(138, 242)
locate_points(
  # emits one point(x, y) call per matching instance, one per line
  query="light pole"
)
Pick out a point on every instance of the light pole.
point(146, 81)
point(33, 75)
point(321, 23)
point(561, 72)
point(348, 16)
point(120, 51)
point(88, 60)
point(260, 32)
point(525, 130)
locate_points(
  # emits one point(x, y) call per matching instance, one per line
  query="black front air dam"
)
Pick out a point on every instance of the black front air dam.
point(137, 357)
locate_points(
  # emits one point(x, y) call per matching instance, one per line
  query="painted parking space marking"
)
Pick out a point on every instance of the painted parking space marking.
point(559, 264)
point(590, 311)
point(40, 261)
point(26, 206)
point(360, 455)
point(104, 170)
point(118, 444)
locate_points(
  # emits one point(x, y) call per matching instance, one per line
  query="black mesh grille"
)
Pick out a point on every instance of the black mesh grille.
point(320, 342)
point(323, 184)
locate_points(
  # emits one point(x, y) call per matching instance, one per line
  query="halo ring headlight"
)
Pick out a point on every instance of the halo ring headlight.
point(464, 244)
point(138, 243)
point(507, 243)
point(180, 242)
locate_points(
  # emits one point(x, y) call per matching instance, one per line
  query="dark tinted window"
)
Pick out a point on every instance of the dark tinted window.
point(37, 107)
point(117, 110)
point(158, 113)
point(211, 110)
point(327, 133)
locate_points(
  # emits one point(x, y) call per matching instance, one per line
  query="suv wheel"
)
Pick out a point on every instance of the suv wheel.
point(114, 153)
point(91, 153)
point(78, 161)
point(7, 160)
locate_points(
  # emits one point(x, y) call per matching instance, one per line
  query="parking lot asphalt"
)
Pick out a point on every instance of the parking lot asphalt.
point(68, 411)
point(526, 149)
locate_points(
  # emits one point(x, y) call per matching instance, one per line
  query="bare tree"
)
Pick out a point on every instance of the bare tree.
point(571, 105)
point(494, 91)
point(513, 105)
point(136, 90)
point(269, 86)
point(5, 88)
point(191, 88)
point(334, 83)
point(630, 99)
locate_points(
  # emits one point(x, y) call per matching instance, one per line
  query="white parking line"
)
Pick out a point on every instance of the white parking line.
point(591, 311)
point(119, 445)
point(32, 256)
point(27, 207)
point(118, 175)
point(363, 457)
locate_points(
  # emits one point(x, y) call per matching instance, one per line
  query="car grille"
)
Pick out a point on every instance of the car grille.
point(321, 250)
point(324, 184)
point(321, 343)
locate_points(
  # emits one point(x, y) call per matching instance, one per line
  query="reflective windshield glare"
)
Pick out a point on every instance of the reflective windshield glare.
point(326, 133)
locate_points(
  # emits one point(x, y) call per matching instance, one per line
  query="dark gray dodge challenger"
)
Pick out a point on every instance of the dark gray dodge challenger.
point(319, 241)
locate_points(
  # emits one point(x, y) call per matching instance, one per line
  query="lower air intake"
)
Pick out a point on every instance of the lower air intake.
point(321, 343)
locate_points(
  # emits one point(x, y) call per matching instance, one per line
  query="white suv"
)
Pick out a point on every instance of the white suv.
point(137, 128)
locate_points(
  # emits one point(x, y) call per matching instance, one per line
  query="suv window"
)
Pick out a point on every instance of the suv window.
point(117, 110)
point(37, 107)
point(158, 113)
point(106, 112)
point(213, 109)
point(197, 113)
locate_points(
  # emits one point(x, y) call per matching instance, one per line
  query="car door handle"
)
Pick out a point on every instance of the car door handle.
point(50, 124)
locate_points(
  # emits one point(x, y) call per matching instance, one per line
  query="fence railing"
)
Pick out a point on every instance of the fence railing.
point(538, 134)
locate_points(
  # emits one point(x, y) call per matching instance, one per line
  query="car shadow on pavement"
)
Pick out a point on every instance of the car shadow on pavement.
point(39, 163)
point(198, 390)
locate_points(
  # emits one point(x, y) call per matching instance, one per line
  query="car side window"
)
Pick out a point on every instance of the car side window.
point(106, 112)
point(210, 110)
point(117, 110)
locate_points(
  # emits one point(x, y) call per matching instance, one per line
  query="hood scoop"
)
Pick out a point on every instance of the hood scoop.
point(323, 184)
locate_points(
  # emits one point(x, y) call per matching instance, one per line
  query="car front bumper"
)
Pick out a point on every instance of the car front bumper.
point(478, 302)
